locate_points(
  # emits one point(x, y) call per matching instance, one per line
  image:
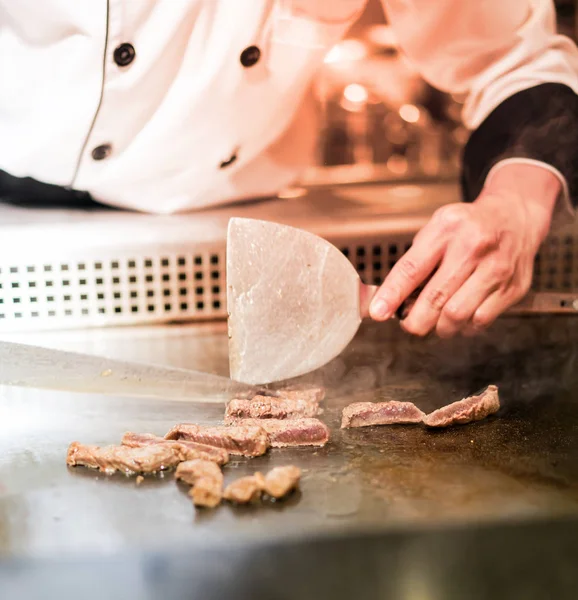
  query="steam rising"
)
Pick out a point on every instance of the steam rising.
point(528, 358)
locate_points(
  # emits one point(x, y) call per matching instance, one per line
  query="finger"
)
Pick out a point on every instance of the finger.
point(408, 272)
point(504, 297)
point(459, 310)
point(455, 269)
point(461, 261)
point(496, 304)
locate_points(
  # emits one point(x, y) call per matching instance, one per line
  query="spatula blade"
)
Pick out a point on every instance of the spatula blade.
point(293, 301)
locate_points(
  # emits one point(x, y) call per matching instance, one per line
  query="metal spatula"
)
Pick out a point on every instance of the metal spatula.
point(295, 302)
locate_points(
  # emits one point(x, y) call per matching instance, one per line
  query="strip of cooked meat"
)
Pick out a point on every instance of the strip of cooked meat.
point(246, 489)
point(266, 407)
point(473, 408)
point(282, 480)
point(206, 492)
point(247, 440)
point(109, 459)
point(207, 481)
point(291, 432)
point(313, 394)
point(191, 471)
point(188, 450)
point(277, 484)
point(364, 414)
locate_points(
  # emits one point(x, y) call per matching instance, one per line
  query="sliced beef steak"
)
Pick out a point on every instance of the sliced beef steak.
point(266, 407)
point(282, 480)
point(207, 481)
point(277, 484)
point(365, 414)
point(473, 408)
point(109, 459)
point(314, 394)
point(246, 489)
point(191, 471)
point(292, 432)
point(243, 439)
point(188, 450)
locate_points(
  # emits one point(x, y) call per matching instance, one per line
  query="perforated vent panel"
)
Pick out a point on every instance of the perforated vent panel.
point(555, 268)
point(373, 260)
point(178, 287)
point(556, 264)
point(118, 269)
point(119, 290)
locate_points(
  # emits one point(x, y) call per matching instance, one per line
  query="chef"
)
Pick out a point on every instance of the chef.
point(174, 105)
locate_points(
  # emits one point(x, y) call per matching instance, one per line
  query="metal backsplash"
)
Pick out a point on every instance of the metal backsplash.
point(96, 270)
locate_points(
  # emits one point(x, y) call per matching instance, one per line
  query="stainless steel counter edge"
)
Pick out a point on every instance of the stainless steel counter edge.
point(521, 560)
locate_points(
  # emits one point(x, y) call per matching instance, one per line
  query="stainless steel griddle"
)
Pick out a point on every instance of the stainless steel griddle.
point(484, 508)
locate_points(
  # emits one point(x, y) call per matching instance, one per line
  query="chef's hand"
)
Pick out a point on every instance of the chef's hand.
point(483, 252)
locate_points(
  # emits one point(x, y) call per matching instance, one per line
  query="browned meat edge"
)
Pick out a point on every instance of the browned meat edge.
point(265, 407)
point(241, 439)
point(293, 432)
point(276, 484)
point(282, 480)
point(109, 459)
point(473, 408)
point(365, 414)
point(207, 481)
point(313, 394)
point(188, 450)
point(246, 489)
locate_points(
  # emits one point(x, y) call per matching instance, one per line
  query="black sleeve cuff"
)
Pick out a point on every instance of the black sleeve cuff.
point(540, 123)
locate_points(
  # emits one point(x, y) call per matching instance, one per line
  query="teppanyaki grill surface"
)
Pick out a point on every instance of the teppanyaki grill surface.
point(471, 494)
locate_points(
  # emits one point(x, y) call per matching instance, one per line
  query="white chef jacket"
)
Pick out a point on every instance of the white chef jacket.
point(192, 118)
